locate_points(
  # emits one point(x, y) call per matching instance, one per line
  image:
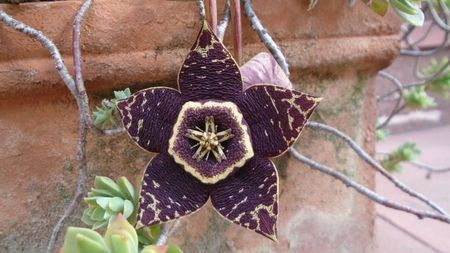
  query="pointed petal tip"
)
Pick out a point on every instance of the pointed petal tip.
point(273, 237)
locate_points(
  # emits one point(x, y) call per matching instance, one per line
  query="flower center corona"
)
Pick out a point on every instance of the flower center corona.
point(209, 140)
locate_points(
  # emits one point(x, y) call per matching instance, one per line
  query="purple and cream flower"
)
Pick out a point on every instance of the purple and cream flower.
point(214, 139)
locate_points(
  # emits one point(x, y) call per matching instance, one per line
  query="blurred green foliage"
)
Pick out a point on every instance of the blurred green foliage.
point(406, 152)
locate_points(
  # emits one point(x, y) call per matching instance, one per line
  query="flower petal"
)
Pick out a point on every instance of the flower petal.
point(263, 68)
point(168, 192)
point(276, 116)
point(149, 115)
point(209, 71)
point(250, 197)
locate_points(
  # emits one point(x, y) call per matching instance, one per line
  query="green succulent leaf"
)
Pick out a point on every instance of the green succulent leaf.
point(108, 199)
point(86, 217)
point(98, 214)
point(409, 10)
point(155, 231)
point(104, 114)
point(103, 117)
point(120, 243)
point(107, 184)
point(417, 98)
point(86, 244)
point(72, 238)
point(128, 208)
point(100, 192)
point(173, 249)
point(155, 249)
point(120, 228)
point(116, 204)
point(122, 94)
point(144, 237)
point(127, 188)
point(380, 6)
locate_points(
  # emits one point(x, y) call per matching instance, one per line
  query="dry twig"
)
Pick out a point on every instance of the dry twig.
point(223, 24)
point(367, 192)
point(374, 164)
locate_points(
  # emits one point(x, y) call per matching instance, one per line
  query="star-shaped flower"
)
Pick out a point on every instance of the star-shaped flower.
point(214, 140)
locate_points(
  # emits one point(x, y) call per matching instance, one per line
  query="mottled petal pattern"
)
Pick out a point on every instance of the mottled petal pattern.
point(209, 71)
point(276, 116)
point(149, 115)
point(168, 192)
point(250, 197)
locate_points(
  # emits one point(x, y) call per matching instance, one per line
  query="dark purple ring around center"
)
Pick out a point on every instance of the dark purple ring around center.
point(234, 148)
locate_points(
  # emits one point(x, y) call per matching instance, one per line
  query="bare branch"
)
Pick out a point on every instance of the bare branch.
point(374, 164)
point(201, 9)
point(174, 228)
point(351, 3)
point(430, 169)
point(399, 89)
point(223, 24)
point(164, 234)
point(442, 24)
point(367, 192)
point(265, 37)
point(425, 81)
point(408, 233)
point(85, 122)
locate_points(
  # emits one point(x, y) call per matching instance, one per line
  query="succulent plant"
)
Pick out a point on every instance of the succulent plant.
point(107, 199)
point(120, 237)
point(104, 114)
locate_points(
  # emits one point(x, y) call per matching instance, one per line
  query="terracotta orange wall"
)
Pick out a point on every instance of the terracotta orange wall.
point(333, 51)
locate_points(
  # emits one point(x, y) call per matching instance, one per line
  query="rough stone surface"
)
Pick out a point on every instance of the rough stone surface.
point(333, 52)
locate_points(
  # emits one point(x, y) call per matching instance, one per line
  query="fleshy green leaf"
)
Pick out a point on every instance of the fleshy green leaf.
point(121, 227)
point(99, 224)
point(70, 240)
point(86, 218)
point(98, 214)
point(410, 12)
point(116, 204)
point(128, 208)
point(380, 6)
point(173, 249)
point(144, 237)
point(155, 249)
point(107, 184)
point(86, 244)
point(120, 243)
point(127, 188)
point(122, 94)
point(103, 202)
point(155, 231)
